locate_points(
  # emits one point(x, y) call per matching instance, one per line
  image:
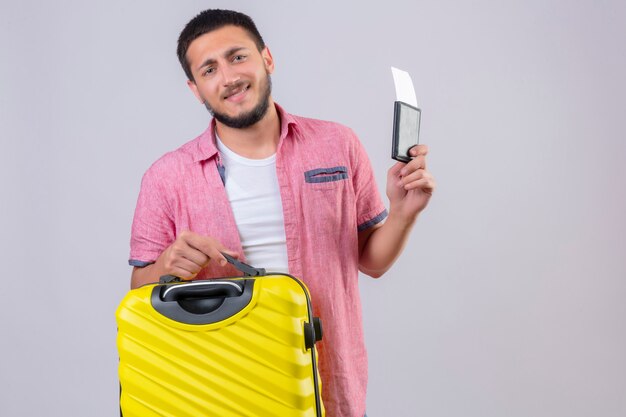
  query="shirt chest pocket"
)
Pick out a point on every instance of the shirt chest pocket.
point(326, 178)
point(326, 200)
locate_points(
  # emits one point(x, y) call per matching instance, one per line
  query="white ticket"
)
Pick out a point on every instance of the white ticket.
point(404, 87)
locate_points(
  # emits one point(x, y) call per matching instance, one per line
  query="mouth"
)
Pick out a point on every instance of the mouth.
point(236, 92)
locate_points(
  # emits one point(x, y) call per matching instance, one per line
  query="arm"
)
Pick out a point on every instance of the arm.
point(154, 237)
point(409, 188)
point(184, 258)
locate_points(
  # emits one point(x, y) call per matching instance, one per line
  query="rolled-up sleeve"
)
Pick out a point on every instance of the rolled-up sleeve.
point(370, 209)
point(153, 227)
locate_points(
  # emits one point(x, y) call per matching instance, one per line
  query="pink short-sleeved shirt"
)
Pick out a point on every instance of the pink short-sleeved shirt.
point(328, 194)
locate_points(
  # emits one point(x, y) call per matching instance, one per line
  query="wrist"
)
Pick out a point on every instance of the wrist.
point(400, 219)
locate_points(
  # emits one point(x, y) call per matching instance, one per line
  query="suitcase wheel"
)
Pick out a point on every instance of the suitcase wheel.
point(312, 332)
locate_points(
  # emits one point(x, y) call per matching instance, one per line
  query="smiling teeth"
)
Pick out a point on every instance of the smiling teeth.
point(238, 91)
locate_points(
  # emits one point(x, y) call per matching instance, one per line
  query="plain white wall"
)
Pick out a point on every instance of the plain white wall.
point(509, 298)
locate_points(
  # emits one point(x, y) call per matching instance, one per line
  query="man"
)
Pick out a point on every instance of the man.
point(283, 192)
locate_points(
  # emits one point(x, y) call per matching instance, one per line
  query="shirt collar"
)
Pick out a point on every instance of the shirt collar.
point(205, 145)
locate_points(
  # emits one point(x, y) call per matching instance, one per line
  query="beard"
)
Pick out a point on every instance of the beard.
point(249, 118)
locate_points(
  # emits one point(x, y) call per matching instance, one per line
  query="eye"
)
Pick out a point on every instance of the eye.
point(239, 58)
point(208, 71)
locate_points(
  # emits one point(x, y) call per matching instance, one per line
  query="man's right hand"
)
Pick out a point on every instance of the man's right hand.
point(184, 258)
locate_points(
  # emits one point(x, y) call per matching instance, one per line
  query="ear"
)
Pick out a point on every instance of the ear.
point(268, 60)
point(194, 89)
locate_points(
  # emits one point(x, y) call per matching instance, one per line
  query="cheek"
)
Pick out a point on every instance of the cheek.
point(208, 92)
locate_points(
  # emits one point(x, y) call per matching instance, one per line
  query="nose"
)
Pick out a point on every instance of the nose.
point(229, 76)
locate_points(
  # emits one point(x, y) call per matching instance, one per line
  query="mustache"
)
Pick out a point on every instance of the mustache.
point(238, 85)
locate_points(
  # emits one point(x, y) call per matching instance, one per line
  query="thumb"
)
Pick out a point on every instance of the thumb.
point(224, 251)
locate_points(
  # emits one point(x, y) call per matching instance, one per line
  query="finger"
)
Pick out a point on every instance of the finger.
point(216, 254)
point(215, 249)
point(197, 257)
point(394, 171)
point(184, 269)
point(219, 249)
point(413, 176)
point(416, 163)
point(181, 249)
point(418, 150)
point(230, 252)
point(183, 274)
point(425, 184)
point(207, 245)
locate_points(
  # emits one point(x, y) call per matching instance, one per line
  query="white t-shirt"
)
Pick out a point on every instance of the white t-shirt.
point(254, 195)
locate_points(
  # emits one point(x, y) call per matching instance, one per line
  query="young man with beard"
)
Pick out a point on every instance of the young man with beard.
point(279, 191)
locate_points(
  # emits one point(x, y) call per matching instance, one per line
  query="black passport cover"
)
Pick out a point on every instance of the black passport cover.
point(406, 130)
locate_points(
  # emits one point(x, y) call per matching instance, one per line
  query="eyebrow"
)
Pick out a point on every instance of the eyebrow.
point(228, 53)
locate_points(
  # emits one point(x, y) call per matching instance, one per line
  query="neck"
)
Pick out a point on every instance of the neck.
point(255, 142)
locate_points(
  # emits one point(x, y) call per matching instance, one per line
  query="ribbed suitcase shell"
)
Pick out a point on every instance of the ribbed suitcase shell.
point(254, 363)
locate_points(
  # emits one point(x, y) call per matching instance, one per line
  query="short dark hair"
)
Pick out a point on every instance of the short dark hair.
point(208, 21)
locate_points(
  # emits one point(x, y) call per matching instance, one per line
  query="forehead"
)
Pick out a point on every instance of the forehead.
point(215, 43)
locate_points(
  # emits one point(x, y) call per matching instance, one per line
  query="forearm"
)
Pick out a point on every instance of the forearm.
point(384, 245)
point(147, 275)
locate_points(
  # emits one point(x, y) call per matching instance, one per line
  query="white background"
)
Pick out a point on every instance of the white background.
point(509, 298)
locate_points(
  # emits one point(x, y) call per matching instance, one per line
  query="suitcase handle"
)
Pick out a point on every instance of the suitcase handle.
point(193, 302)
point(202, 302)
point(202, 289)
point(248, 270)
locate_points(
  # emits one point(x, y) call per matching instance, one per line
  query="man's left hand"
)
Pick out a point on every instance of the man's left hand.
point(410, 185)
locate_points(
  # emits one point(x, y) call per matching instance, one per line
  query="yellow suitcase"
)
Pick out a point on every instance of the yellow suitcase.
point(228, 347)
